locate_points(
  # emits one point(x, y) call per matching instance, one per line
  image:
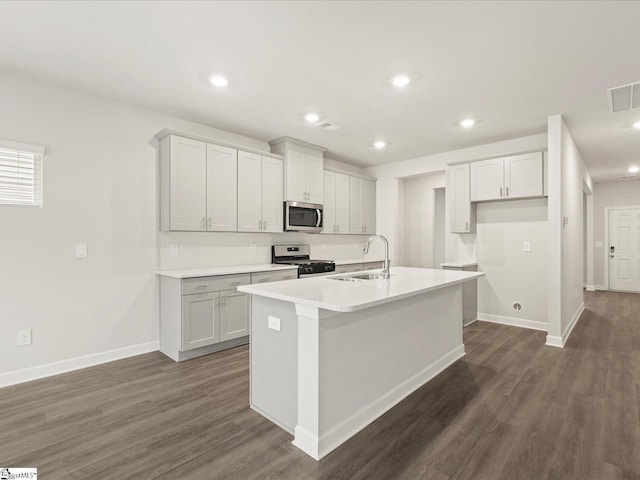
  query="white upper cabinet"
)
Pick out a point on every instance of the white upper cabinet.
point(259, 193)
point(303, 169)
point(272, 195)
point(198, 185)
point(524, 175)
point(185, 163)
point(222, 190)
point(249, 192)
point(336, 203)
point(517, 176)
point(342, 203)
point(458, 196)
point(362, 206)
point(329, 210)
point(487, 180)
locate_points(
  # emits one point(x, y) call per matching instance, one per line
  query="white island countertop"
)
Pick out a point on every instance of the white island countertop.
point(230, 270)
point(340, 296)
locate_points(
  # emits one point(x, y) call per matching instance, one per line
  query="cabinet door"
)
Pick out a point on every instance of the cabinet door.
point(329, 210)
point(222, 189)
point(234, 315)
point(314, 177)
point(188, 184)
point(460, 209)
point(341, 203)
point(272, 195)
point(523, 175)
point(355, 205)
point(487, 180)
point(368, 206)
point(200, 324)
point(249, 192)
point(296, 177)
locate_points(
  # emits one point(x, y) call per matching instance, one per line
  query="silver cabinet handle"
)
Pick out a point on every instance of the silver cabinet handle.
point(203, 224)
point(202, 287)
point(500, 191)
point(259, 225)
point(223, 300)
point(236, 283)
point(264, 280)
point(264, 226)
point(466, 226)
point(209, 223)
point(507, 191)
point(338, 228)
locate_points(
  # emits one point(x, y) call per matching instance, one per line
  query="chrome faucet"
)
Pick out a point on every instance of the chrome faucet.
point(385, 269)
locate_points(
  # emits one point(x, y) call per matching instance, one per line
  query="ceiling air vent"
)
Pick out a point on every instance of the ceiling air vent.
point(628, 176)
point(624, 98)
point(332, 128)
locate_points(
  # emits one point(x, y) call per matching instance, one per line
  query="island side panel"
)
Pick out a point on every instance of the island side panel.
point(274, 362)
point(371, 359)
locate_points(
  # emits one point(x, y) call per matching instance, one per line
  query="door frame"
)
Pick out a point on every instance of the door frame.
point(606, 239)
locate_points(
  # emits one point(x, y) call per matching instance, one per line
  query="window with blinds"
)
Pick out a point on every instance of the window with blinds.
point(20, 177)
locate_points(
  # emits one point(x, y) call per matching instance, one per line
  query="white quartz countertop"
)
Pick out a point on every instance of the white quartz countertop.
point(340, 296)
point(458, 264)
point(351, 261)
point(213, 271)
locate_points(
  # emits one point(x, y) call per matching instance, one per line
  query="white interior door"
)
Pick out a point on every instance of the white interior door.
point(624, 250)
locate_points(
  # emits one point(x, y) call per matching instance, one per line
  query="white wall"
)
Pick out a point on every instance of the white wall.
point(459, 247)
point(100, 188)
point(567, 179)
point(418, 215)
point(609, 194)
point(512, 275)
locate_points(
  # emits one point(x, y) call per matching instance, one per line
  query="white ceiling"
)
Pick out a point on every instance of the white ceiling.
point(508, 64)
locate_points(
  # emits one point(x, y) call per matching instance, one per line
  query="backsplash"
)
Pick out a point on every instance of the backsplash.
point(209, 249)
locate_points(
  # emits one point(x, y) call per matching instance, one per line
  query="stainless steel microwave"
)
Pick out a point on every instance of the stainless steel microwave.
point(302, 217)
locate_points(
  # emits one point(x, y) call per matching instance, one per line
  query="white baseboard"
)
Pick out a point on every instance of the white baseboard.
point(590, 288)
point(514, 322)
point(555, 341)
point(600, 287)
point(63, 366)
point(340, 433)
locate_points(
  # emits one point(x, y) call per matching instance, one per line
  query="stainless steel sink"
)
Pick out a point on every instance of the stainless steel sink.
point(361, 277)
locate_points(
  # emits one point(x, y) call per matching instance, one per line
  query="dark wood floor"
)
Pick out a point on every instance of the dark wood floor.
point(511, 409)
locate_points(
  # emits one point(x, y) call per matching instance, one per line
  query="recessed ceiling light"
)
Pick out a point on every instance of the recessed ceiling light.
point(312, 117)
point(380, 144)
point(467, 122)
point(634, 169)
point(400, 81)
point(636, 125)
point(219, 81)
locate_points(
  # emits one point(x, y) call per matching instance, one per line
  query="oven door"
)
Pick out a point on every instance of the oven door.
point(302, 217)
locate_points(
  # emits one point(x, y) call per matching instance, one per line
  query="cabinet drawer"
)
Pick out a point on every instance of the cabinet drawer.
point(214, 284)
point(373, 265)
point(265, 277)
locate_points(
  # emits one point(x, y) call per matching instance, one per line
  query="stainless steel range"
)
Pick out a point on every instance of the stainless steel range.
point(300, 255)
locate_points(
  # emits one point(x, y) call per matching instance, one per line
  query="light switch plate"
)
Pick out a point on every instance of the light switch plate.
point(526, 246)
point(24, 337)
point(273, 323)
point(81, 250)
point(174, 249)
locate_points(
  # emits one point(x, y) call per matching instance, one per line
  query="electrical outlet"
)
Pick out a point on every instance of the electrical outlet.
point(526, 246)
point(24, 337)
point(273, 323)
point(81, 250)
point(174, 249)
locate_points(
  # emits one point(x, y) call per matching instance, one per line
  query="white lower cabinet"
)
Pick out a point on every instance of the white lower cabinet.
point(200, 315)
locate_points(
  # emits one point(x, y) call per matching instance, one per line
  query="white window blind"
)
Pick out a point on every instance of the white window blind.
point(20, 177)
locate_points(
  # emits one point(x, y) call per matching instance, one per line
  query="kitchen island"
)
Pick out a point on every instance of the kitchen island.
point(329, 356)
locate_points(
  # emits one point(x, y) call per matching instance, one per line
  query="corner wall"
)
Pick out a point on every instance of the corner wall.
point(568, 179)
